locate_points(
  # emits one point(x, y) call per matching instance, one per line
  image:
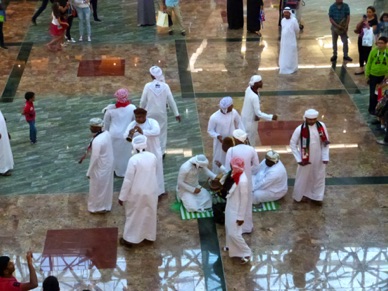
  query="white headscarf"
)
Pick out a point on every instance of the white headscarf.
point(225, 103)
point(200, 161)
point(240, 135)
point(254, 79)
point(139, 142)
point(96, 122)
point(311, 114)
point(287, 9)
point(157, 73)
point(272, 156)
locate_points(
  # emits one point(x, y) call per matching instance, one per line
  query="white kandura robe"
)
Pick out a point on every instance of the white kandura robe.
point(288, 56)
point(270, 183)
point(6, 157)
point(116, 121)
point(310, 179)
point(237, 204)
point(251, 166)
point(139, 193)
point(155, 98)
point(101, 173)
point(224, 125)
point(250, 109)
point(151, 130)
point(188, 182)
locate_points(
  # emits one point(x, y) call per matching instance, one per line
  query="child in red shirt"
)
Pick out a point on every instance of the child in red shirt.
point(29, 113)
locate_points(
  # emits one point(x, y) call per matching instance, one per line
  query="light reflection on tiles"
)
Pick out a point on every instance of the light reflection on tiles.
point(312, 267)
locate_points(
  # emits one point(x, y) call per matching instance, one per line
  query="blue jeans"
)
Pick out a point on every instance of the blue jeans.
point(32, 131)
point(84, 16)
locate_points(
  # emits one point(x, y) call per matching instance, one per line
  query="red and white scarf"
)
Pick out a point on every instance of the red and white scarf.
point(305, 140)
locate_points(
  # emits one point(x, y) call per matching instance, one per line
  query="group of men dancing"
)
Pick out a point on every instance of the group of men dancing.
point(131, 143)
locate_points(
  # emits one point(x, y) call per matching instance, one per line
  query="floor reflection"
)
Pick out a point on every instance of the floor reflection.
point(311, 266)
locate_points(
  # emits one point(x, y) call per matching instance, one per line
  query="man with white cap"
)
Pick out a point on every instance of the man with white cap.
point(116, 120)
point(310, 147)
point(6, 157)
point(193, 196)
point(150, 128)
point(288, 56)
point(251, 164)
point(155, 98)
point(251, 113)
point(270, 182)
point(221, 124)
point(139, 195)
point(100, 172)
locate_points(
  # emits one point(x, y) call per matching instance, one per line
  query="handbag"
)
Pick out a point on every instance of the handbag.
point(367, 38)
point(162, 19)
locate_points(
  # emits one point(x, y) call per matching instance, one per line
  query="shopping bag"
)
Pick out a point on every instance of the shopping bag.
point(367, 38)
point(162, 19)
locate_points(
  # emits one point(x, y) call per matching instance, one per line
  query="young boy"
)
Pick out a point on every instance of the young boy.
point(29, 113)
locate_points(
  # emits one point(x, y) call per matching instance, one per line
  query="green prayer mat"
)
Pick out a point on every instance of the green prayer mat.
point(266, 206)
point(185, 215)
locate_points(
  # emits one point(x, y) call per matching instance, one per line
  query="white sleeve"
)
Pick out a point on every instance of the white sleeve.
point(144, 97)
point(154, 130)
point(325, 149)
point(294, 144)
point(128, 181)
point(211, 128)
point(171, 101)
point(183, 171)
point(258, 112)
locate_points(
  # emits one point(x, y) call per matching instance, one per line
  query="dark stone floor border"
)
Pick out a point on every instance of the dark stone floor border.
point(274, 93)
point(344, 181)
point(211, 257)
point(17, 71)
point(346, 80)
point(185, 79)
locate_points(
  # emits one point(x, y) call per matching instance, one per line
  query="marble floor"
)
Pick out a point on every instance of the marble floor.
point(342, 245)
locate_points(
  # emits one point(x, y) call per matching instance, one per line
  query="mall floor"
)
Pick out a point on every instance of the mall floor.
point(341, 245)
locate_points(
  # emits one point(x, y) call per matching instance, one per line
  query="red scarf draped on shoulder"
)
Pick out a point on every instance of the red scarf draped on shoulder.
point(305, 139)
point(125, 104)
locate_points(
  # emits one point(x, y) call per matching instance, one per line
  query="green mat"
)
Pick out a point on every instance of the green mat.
point(185, 215)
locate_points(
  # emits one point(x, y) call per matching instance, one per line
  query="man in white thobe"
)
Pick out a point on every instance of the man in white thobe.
point(150, 128)
point(100, 172)
point(251, 162)
point(237, 205)
point(310, 147)
point(221, 124)
point(155, 98)
point(139, 195)
point(6, 157)
point(193, 196)
point(288, 56)
point(251, 113)
point(116, 120)
point(270, 182)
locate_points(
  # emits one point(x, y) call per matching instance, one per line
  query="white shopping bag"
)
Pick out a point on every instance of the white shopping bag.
point(162, 19)
point(367, 38)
